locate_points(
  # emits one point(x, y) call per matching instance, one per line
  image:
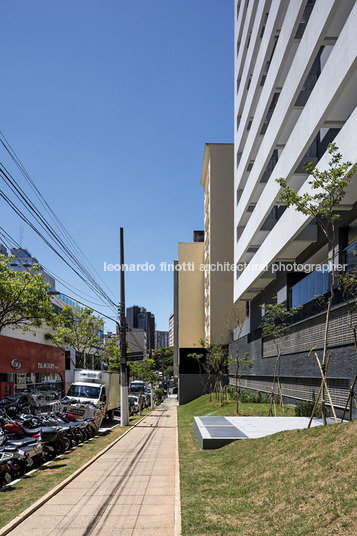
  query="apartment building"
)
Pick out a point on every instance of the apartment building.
point(161, 339)
point(295, 92)
point(218, 180)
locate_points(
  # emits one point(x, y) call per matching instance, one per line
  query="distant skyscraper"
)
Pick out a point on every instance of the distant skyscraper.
point(139, 317)
point(161, 339)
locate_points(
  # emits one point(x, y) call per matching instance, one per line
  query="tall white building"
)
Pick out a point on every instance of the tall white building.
point(295, 91)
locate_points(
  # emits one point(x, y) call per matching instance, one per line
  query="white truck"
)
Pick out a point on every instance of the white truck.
point(99, 388)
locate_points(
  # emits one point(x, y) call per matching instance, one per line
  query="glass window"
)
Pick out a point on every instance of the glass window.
point(313, 285)
point(351, 256)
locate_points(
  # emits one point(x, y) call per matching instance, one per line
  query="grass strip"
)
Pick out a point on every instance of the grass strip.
point(294, 483)
point(17, 498)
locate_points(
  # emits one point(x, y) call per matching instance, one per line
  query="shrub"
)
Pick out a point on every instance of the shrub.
point(254, 397)
point(304, 409)
point(159, 393)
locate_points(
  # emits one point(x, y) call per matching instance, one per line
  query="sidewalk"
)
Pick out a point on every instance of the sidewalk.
point(131, 490)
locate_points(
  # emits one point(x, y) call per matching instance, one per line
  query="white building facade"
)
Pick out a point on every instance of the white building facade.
point(295, 92)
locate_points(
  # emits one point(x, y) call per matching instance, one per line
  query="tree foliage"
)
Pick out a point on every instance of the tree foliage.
point(276, 324)
point(112, 355)
point(24, 302)
point(145, 370)
point(79, 328)
point(235, 323)
point(327, 189)
point(164, 360)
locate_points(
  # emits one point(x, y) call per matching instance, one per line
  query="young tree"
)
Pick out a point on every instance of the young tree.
point(328, 188)
point(348, 287)
point(213, 361)
point(24, 302)
point(78, 328)
point(164, 361)
point(276, 325)
point(235, 323)
point(146, 371)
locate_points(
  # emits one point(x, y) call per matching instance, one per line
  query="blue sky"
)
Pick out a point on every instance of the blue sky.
point(108, 104)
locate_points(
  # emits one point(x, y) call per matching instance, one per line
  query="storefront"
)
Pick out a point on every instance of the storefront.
point(29, 366)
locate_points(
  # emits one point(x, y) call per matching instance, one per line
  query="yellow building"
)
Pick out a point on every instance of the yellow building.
point(218, 182)
point(190, 294)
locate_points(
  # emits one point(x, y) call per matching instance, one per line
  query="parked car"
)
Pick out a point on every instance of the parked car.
point(131, 406)
point(135, 402)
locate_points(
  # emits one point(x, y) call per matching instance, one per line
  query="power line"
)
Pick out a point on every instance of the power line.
point(44, 203)
point(25, 201)
point(10, 243)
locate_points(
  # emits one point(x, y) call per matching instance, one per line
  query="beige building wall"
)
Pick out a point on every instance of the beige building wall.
point(190, 294)
point(218, 182)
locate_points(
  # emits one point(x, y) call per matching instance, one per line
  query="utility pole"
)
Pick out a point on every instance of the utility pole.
point(124, 403)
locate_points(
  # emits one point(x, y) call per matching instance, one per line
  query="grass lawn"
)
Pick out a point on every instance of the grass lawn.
point(294, 483)
point(17, 498)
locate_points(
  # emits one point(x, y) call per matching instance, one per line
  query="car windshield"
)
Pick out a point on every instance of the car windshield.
point(84, 391)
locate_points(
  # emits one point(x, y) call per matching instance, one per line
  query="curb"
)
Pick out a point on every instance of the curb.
point(177, 528)
point(35, 506)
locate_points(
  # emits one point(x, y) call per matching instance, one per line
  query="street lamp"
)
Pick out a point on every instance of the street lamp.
point(124, 402)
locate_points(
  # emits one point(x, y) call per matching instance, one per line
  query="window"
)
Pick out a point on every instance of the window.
point(306, 290)
point(305, 19)
point(351, 256)
point(270, 113)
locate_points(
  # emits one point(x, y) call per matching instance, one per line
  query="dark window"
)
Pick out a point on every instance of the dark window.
point(304, 19)
point(269, 113)
point(67, 360)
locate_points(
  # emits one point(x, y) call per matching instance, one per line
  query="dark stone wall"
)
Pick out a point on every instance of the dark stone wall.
point(343, 363)
point(192, 386)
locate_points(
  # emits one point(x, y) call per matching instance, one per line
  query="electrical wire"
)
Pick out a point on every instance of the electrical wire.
point(11, 243)
point(24, 200)
point(44, 203)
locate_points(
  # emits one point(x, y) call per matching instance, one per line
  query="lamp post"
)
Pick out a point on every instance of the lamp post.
point(124, 403)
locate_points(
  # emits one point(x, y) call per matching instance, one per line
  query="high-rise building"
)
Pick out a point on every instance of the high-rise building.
point(295, 92)
point(218, 182)
point(22, 260)
point(161, 339)
point(139, 317)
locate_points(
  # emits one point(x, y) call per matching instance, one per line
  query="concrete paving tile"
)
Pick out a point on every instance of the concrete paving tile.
point(36, 521)
point(39, 531)
point(159, 491)
point(127, 499)
point(81, 484)
point(159, 499)
point(155, 522)
point(123, 510)
point(75, 522)
point(118, 522)
point(157, 509)
point(50, 509)
point(161, 479)
point(164, 531)
point(109, 531)
point(68, 496)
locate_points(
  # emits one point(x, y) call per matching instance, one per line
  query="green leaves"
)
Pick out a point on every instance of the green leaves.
point(144, 371)
point(78, 328)
point(328, 190)
point(277, 319)
point(24, 302)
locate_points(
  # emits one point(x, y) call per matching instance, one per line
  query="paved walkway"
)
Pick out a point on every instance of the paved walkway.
point(129, 491)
